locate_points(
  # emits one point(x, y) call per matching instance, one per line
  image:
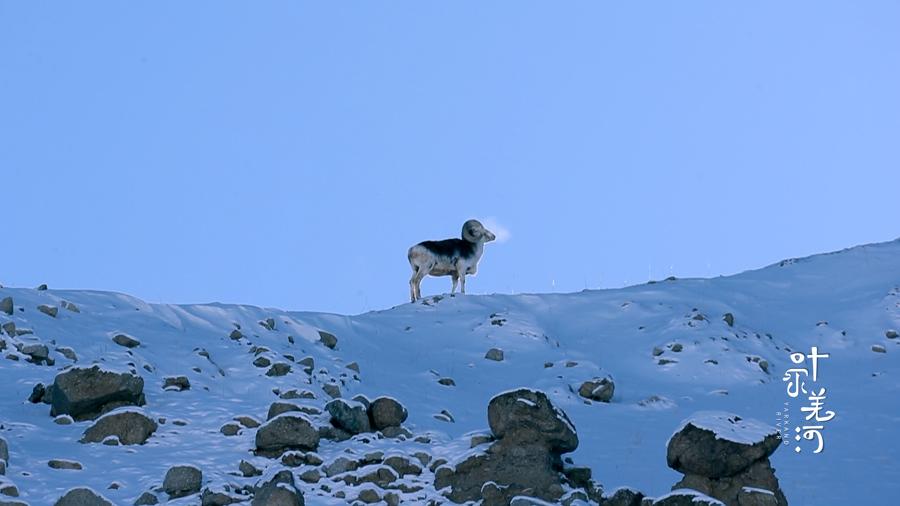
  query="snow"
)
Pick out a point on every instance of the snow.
point(776, 309)
point(730, 427)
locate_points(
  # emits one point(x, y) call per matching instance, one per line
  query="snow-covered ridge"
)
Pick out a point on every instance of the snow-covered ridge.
point(668, 346)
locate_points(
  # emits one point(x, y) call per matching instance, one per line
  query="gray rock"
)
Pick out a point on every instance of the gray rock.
point(146, 499)
point(247, 421)
point(598, 389)
point(50, 311)
point(730, 489)
point(698, 450)
point(332, 390)
point(340, 465)
point(278, 491)
point(126, 341)
point(182, 481)
point(877, 348)
point(624, 497)
point(262, 362)
point(379, 475)
point(328, 339)
point(86, 393)
point(350, 416)
point(279, 369)
point(65, 464)
point(210, 497)
point(230, 429)
point(288, 431)
point(82, 496)
point(177, 383)
point(70, 306)
point(247, 469)
point(447, 382)
point(235, 335)
point(530, 414)
point(6, 305)
point(41, 287)
point(369, 495)
point(495, 354)
point(268, 323)
point(387, 412)
point(277, 408)
point(685, 497)
point(729, 319)
point(890, 334)
point(403, 465)
point(69, 353)
point(4, 450)
point(130, 426)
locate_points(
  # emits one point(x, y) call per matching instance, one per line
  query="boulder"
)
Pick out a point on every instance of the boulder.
point(6, 305)
point(85, 393)
point(176, 383)
point(181, 481)
point(50, 311)
point(718, 444)
point(598, 389)
point(129, 425)
point(726, 457)
point(288, 431)
point(126, 341)
point(495, 354)
point(146, 499)
point(387, 412)
point(82, 496)
point(328, 339)
point(4, 450)
point(350, 416)
point(280, 490)
point(529, 414)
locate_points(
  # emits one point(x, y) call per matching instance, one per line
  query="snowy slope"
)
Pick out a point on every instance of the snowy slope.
point(841, 302)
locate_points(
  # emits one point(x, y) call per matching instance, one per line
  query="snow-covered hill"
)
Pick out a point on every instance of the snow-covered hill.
point(667, 346)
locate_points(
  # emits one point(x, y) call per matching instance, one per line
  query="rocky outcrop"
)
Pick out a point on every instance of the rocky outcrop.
point(727, 457)
point(525, 460)
point(129, 426)
point(85, 393)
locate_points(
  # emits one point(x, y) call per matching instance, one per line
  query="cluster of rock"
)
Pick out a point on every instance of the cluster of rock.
point(727, 457)
point(530, 435)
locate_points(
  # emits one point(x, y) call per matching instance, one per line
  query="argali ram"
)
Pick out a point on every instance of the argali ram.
point(450, 257)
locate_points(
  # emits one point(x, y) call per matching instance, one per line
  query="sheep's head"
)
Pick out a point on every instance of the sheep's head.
point(474, 231)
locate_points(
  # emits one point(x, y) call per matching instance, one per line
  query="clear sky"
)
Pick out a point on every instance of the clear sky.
point(288, 153)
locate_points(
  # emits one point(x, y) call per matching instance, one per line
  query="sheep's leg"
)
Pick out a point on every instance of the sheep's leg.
point(414, 284)
point(455, 282)
point(462, 283)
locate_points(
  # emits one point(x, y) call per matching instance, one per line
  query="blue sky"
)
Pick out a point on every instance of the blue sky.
point(288, 153)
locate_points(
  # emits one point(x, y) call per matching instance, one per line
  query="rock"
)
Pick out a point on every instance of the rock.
point(369, 495)
point(328, 339)
point(598, 389)
point(268, 323)
point(353, 366)
point(64, 464)
point(380, 475)
point(82, 496)
point(182, 481)
point(403, 465)
point(279, 369)
point(277, 408)
point(218, 497)
point(70, 306)
point(480, 439)
point(387, 412)
point(247, 421)
point(146, 499)
point(877, 348)
point(130, 426)
point(50, 311)
point(230, 429)
point(530, 411)
point(395, 432)
point(447, 382)
point(716, 444)
point(69, 353)
point(4, 450)
point(248, 470)
point(262, 362)
point(311, 476)
point(235, 335)
point(9, 489)
point(6, 305)
point(340, 465)
point(332, 390)
point(686, 497)
point(350, 416)
point(126, 341)
point(278, 491)
point(41, 287)
point(177, 383)
point(495, 354)
point(288, 431)
point(657, 351)
point(677, 347)
point(751, 496)
point(532, 433)
point(890, 334)
point(86, 393)
point(63, 420)
point(729, 319)
point(624, 497)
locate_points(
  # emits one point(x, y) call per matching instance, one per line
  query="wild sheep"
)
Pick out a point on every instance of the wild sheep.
point(450, 257)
